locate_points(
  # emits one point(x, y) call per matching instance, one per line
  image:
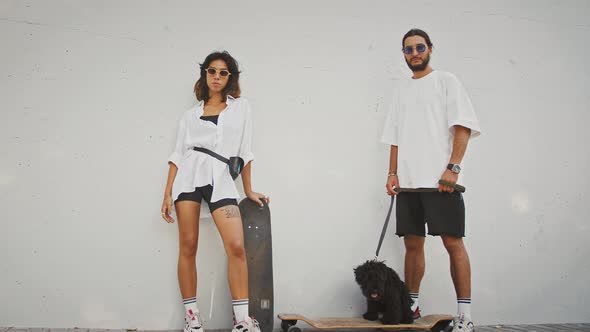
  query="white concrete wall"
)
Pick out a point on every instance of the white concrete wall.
point(92, 92)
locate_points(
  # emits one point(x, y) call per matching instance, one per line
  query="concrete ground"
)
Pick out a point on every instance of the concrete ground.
point(495, 328)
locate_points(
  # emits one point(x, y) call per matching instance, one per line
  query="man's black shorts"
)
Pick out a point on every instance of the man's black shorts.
point(443, 212)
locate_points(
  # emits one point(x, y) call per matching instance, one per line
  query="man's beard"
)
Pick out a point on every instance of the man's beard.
point(419, 67)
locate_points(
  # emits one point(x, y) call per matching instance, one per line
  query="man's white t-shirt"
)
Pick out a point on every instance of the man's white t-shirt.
point(420, 123)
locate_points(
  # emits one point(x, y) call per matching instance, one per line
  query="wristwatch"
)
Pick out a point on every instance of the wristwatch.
point(455, 168)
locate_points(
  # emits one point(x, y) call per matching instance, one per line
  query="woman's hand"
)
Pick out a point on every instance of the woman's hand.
point(167, 209)
point(257, 197)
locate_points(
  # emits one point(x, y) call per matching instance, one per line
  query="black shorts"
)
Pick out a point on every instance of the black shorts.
point(443, 212)
point(205, 193)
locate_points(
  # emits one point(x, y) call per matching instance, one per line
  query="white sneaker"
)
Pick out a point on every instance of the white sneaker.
point(462, 324)
point(248, 325)
point(193, 322)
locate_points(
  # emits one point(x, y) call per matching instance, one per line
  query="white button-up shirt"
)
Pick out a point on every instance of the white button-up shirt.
point(232, 136)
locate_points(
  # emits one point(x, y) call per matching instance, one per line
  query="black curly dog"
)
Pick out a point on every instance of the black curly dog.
point(385, 293)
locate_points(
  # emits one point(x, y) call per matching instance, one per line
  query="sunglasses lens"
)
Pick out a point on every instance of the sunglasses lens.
point(213, 71)
point(407, 50)
point(421, 48)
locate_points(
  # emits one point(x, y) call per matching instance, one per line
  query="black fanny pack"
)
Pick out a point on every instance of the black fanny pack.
point(236, 164)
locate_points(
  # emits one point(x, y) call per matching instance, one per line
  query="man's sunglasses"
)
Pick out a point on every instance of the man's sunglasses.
point(222, 72)
point(420, 48)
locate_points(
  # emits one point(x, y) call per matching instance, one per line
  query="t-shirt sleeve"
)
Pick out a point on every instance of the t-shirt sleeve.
point(246, 144)
point(459, 108)
point(390, 129)
point(177, 154)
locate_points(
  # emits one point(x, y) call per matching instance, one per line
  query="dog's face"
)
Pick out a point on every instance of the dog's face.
point(372, 278)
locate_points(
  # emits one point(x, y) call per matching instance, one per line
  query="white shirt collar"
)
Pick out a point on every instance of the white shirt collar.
point(228, 101)
point(200, 106)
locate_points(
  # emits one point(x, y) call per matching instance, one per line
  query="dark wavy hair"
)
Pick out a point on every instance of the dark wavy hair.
point(417, 32)
point(233, 84)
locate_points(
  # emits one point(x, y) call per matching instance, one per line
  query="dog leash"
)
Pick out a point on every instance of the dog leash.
point(457, 187)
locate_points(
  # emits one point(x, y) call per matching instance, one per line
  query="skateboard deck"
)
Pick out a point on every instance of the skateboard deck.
point(430, 322)
point(258, 246)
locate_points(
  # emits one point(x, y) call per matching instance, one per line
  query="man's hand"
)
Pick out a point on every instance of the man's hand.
point(392, 182)
point(450, 177)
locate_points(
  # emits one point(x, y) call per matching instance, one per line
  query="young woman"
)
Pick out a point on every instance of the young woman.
point(221, 123)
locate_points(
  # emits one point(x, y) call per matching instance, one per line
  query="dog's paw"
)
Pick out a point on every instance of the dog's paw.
point(389, 319)
point(371, 316)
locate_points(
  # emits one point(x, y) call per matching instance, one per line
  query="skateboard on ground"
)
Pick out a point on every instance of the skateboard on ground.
point(434, 323)
point(258, 246)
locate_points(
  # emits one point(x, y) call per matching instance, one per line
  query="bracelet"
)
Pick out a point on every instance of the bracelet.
point(391, 174)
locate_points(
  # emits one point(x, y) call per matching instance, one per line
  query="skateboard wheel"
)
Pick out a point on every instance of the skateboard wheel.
point(442, 327)
point(293, 328)
point(287, 324)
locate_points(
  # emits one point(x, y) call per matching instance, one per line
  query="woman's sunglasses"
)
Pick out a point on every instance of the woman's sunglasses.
point(420, 48)
point(222, 72)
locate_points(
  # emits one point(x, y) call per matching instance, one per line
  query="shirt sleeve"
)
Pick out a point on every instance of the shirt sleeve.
point(246, 143)
point(459, 108)
point(177, 154)
point(390, 130)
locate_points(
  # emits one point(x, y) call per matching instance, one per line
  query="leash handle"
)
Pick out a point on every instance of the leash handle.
point(457, 187)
